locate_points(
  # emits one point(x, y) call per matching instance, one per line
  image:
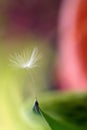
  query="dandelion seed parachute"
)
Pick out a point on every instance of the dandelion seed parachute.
point(25, 60)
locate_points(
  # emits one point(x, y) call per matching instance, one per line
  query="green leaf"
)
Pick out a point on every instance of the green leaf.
point(65, 111)
point(55, 125)
point(61, 111)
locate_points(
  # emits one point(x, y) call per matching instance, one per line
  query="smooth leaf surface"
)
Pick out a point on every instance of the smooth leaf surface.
point(67, 111)
point(55, 125)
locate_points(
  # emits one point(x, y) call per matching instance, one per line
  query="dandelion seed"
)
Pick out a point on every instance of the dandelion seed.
point(25, 60)
point(36, 107)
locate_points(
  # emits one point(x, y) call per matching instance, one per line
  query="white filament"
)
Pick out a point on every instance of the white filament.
point(26, 60)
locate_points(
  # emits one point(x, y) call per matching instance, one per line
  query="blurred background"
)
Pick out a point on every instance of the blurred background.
point(58, 29)
point(24, 25)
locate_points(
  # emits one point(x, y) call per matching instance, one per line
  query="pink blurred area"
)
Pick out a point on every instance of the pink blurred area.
point(70, 72)
point(38, 17)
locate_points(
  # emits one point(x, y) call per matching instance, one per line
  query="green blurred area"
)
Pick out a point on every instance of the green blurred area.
point(63, 111)
point(19, 88)
point(17, 85)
